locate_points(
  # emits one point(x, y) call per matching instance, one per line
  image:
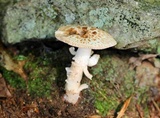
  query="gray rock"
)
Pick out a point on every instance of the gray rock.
point(133, 23)
point(29, 19)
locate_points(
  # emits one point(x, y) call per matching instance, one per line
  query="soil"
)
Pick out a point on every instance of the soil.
point(21, 105)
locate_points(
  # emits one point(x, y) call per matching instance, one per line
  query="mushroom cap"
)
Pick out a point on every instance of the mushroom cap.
point(85, 37)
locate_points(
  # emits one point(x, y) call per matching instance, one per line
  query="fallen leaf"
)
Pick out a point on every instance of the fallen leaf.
point(8, 63)
point(155, 61)
point(147, 56)
point(146, 74)
point(134, 62)
point(124, 108)
point(95, 116)
point(4, 92)
point(137, 61)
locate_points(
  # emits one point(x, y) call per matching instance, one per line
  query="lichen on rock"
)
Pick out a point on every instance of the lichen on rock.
point(132, 23)
point(26, 20)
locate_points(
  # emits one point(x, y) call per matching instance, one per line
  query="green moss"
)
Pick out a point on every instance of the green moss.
point(20, 57)
point(152, 42)
point(103, 107)
point(41, 76)
point(13, 79)
point(142, 95)
point(105, 100)
point(39, 87)
point(158, 49)
point(128, 85)
point(149, 4)
point(113, 83)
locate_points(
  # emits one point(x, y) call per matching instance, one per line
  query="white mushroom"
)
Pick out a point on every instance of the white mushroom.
point(86, 39)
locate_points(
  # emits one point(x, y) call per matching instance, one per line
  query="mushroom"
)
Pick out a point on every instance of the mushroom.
point(85, 39)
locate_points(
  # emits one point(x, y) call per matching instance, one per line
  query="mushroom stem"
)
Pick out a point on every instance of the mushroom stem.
point(73, 81)
point(82, 57)
point(82, 60)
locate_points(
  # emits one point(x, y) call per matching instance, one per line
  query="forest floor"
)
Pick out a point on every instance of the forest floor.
point(125, 84)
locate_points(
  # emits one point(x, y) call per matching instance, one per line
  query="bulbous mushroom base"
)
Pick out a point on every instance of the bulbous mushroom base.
point(71, 97)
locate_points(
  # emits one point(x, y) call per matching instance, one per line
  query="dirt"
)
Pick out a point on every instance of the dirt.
point(22, 105)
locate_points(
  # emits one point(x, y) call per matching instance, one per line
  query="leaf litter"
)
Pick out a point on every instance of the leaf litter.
point(147, 67)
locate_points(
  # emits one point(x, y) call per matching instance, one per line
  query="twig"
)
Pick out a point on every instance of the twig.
point(139, 111)
point(156, 106)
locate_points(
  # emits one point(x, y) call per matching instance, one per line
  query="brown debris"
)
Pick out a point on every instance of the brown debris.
point(30, 109)
point(147, 68)
point(137, 61)
point(146, 74)
point(154, 109)
point(124, 108)
point(95, 116)
point(4, 92)
point(139, 109)
point(8, 63)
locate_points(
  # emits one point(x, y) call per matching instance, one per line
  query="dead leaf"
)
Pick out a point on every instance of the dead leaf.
point(8, 63)
point(146, 74)
point(124, 107)
point(95, 116)
point(155, 61)
point(4, 92)
point(157, 80)
point(147, 56)
point(134, 62)
point(137, 61)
